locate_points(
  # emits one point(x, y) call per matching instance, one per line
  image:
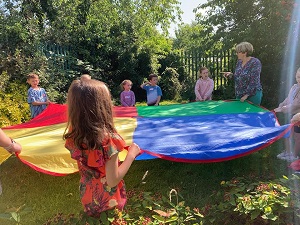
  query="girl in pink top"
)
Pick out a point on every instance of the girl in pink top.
point(204, 86)
point(127, 96)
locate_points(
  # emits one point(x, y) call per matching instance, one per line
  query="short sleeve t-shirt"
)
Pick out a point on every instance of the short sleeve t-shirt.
point(152, 93)
point(36, 96)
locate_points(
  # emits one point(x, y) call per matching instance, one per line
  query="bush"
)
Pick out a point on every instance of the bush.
point(143, 209)
point(243, 201)
point(170, 84)
point(14, 108)
point(188, 89)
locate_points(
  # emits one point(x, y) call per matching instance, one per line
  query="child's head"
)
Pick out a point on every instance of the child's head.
point(126, 85)
point(33, 80)
point(298, 75)
point(153, 79)
point(85, 77)
point(90, 115)
point(203, 73)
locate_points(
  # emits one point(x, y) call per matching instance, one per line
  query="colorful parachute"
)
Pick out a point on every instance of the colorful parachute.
point(199, 132)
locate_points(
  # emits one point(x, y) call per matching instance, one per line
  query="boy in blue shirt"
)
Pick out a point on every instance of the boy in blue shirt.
point(36, 96)
point(154, 92)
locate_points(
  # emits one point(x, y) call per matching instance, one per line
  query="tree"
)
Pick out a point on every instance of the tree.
point(264, 23)
point(108, 36)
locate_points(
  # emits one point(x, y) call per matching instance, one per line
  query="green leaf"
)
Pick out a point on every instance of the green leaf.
point(159, 218)
point(15, 216)
point(103, 217)
point(255, 214)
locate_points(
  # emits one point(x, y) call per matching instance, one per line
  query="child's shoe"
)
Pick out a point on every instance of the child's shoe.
point(291, 158)
point(284, 155)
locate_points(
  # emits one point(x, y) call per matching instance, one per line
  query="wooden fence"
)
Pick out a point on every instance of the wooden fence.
point(216, 62)
point(59, 55)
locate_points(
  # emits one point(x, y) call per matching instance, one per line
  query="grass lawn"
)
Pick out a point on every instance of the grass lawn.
point(48, 195)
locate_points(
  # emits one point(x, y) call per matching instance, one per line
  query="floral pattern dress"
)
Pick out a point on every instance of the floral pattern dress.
point(247, 78)
point(96, 195)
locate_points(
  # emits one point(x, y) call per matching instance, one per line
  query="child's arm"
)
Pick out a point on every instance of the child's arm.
point(284, 106)
point(122, 98)
point(32, 99)
point(143, 84)
point(133, 99)
point(158, 100)
point(159, 94)
point(8, 144)
point(114, 172)
point(41, 103)
point(208, 94)
point(198, 96)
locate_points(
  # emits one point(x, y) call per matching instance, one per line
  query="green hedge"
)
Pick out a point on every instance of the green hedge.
point(14, 108)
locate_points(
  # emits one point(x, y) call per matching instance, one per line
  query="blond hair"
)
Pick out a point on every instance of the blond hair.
point(202, 68)
point(125, 82)
point(90, 115)
point(244, 47)
point(32, 75)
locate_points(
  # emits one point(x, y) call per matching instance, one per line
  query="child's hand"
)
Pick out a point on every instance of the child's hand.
point(17, 148)
point(296, 118)
point(134, 150)
point(277, 109)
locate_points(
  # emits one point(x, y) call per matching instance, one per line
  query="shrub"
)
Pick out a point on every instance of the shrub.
point(242, 201)
point(13, 104)
point(146, 209)
point(188, 89)
point(170, 84)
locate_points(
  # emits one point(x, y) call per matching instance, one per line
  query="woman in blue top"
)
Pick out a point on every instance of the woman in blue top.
point(247, 75)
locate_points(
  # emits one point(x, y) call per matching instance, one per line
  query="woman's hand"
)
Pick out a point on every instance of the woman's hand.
point(226, 74)
point(244, 98)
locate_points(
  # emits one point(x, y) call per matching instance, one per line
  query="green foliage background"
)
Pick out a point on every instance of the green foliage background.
point(118, 39)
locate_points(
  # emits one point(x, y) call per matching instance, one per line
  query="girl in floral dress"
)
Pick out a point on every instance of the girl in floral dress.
point(93, 141)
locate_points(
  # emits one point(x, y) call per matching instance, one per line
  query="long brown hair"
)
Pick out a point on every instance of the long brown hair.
point(90, 116)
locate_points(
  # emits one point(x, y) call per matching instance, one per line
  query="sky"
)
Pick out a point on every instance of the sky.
point(188, 16)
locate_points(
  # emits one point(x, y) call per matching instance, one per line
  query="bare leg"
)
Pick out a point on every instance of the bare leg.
point(297, 144)
point(287, 144)
point(288, 152)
